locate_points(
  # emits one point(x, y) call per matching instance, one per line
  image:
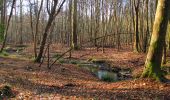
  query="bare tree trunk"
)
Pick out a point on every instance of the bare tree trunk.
point(52, 15)
point(164, 53)
point(36, 29)
point(74, 24)
point(21, 23)
point(3, 12)
point(136, 36)
point(154, 56)
point(7, 26)
point(147, 26)
point(31, 20)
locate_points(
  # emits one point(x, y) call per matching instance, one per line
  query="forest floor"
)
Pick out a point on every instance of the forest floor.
point(68, 81)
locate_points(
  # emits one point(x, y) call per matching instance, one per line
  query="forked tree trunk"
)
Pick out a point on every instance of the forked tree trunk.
point(154, 56)
point(52, 14)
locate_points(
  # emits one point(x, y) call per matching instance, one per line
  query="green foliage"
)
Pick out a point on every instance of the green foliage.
point(89, 67)
point(61, 61)
point(74, 62)
point(4, 54)
point(2, 29)
point(69, 61)
point(57, 55)
point(1, 2)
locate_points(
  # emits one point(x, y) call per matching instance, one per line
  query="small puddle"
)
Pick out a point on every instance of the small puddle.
point(106, 74)
point(102, 70)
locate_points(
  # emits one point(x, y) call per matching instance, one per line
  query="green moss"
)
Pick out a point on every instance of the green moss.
point(2, 29)
point(154, 44)
point(74, 62)
point(4, 54)
point(91, 68)
point(152, 70)
point(62, 61)
point(57, 55)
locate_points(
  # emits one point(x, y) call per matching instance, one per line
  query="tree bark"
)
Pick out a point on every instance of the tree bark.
point(7, 26)
point(74, 24)
point(36, 28)
point(154, 56)
point(52, 14)
point(147, 26)
point(136, 36)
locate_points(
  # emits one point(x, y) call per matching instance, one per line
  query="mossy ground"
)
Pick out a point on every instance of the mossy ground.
point(154, 71)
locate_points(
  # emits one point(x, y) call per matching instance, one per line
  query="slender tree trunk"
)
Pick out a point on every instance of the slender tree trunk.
point(7, 26)
point(164, 53)
point(97, 21)
point(136, 36)
point(37, 28)
point(21, 23)
point(52, 14)
point(3, 12)
point(147, 26)
point(31, 21)
point(74, 24)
